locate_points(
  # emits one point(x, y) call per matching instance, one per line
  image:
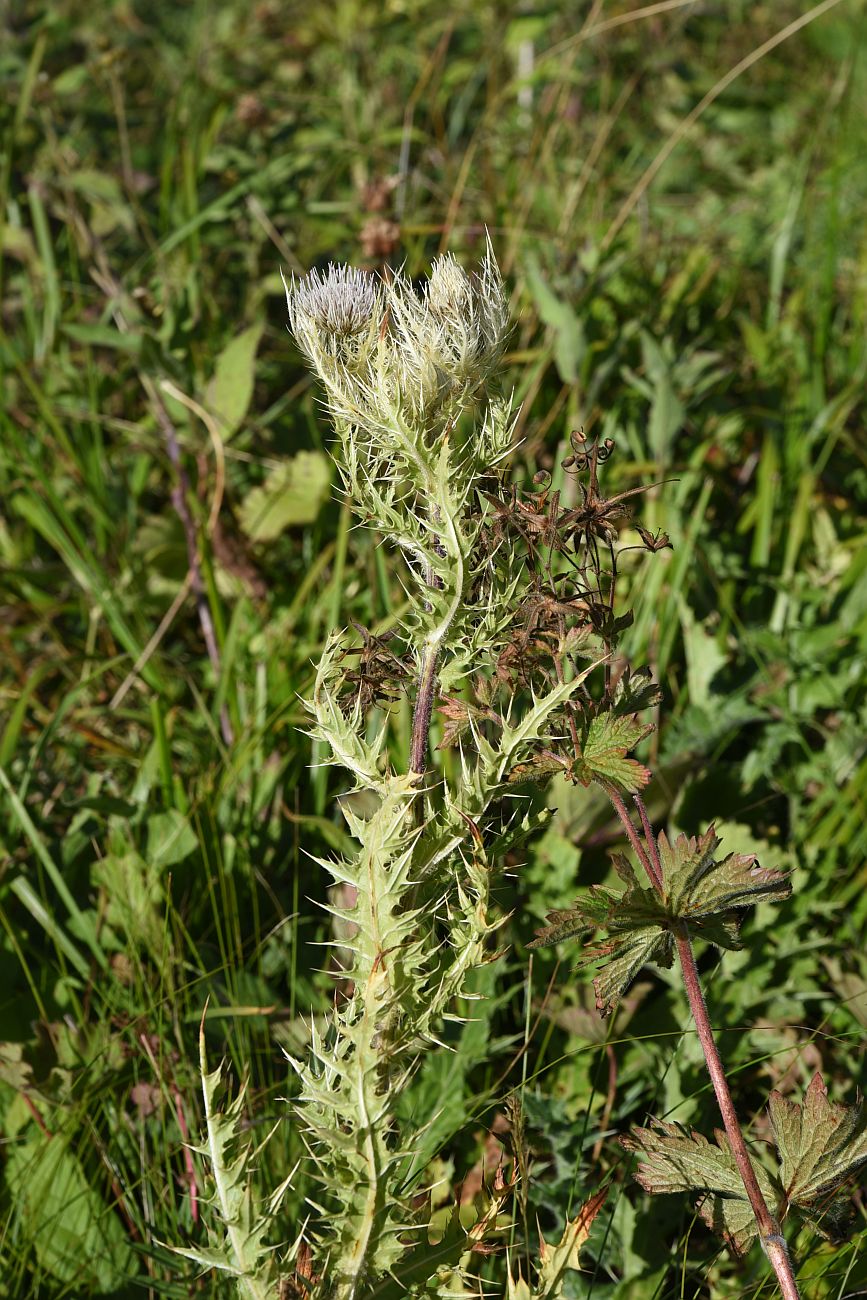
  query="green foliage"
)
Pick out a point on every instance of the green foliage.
point(158, 166)
point(698, 890)
point(240, 1248)
point(821, 1145)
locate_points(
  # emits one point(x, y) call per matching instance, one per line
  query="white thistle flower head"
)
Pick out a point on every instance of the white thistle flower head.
point(380, 347)
point(471, 317)
point(341, 301)
point(336, 316)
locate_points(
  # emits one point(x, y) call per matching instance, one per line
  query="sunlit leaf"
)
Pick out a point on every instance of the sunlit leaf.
point(609, 739)
point(292, 494)
point(821, 1144)
point(674, 1159)
point(231, 388)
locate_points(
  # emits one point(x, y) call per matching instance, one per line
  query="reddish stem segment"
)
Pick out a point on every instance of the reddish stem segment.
point(773, 1242)
point(650, 865)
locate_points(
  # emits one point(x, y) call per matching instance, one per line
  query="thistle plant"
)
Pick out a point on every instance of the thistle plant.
point(511, 644)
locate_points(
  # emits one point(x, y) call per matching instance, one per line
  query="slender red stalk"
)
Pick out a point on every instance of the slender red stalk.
point(654, 874)
point(773, 1242)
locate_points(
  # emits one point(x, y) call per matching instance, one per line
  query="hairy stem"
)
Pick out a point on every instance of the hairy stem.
point(354, 1264)
point(773, 1242)
point(651, 866)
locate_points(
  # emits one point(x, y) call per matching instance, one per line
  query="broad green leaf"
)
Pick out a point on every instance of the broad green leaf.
point(132, 888)
point(231, 388)
point(667, 412)
point(171, 838)
point(731, 1218)
point(76, 1237)
point(570, 342)
point(821, 1144)
point(609, 738)
point(707, 893)
point(292, 494)
point(673, 1159)
point(640, 923)
point(102, 336)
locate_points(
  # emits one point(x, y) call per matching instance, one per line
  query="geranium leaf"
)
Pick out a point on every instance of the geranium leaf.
point(635, 691)
point(624, 957)
point(674, 1159)
point(699, 887)
point(603, 755)
point(821, 1144)
point(589, 912)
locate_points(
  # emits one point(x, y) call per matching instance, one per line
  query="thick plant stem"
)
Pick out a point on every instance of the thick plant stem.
point(427, 680)
point(773, 1242)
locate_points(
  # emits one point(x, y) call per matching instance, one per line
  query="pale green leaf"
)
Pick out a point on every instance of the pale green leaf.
point(821, 1143)
point(292, 494)
point(558, 1260)
point(171, 838)
point(231, 387)
point(570, 342)
point(76, 1237)
point(609, 738)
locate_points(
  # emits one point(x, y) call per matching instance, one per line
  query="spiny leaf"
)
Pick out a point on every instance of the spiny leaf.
point(559, 1259)
point(821, 1144)
point(603, 756)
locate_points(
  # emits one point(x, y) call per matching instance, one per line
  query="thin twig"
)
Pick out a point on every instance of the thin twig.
point(107, 281)
point(179, 501)
point(649, 840)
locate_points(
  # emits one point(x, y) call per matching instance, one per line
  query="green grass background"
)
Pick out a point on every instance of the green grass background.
point(677, 199)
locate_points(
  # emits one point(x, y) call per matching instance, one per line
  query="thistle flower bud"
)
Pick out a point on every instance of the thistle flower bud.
point(380, 347)
point(450, 291)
